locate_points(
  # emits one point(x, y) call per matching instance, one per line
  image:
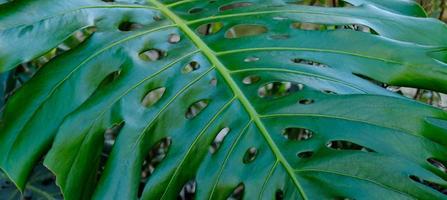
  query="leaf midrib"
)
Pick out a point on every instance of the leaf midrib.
point(234, 87)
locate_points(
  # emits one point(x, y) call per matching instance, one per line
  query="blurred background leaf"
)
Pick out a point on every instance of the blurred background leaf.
point(41, 186)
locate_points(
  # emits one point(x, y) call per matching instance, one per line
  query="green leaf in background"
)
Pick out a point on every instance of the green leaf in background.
point(226, 99)
point(41, 186)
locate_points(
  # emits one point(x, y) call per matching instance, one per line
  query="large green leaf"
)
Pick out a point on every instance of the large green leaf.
point(407, 7)
point(242, 99)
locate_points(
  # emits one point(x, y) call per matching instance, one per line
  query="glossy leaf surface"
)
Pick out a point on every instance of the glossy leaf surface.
point(231, 99)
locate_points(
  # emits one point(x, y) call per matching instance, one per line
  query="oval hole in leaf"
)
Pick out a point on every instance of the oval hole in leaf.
point(279, 194)
point(297, 134)
point(346, 145)
point(250, 155)
point(75, 39)
point(251, 59)
point(438, 164)
point(328, 27)
point(280, 18)
point(48, 180)
point(306, 101)
point(251, 79)
point(245, 30)
point(305, 154)
point(343, 198)
point(308, 62)
point(210, 28)
point(219, 139)
point(238, 192)
point(158, 17)
point(373, 81)
point(329, 92)
point(152, 55)
point(280, 37)
point(196, 108)
point(308, 26)
point(192, 66)
point(188, 191)
point(110, 136)
point(111, 77)
point(435, 186)
point(129, 26)
point(153, 97)
point(155, 156)
point(234, 6)
point(213, 82)
point(357, 27)
point(195, 10)
point(279, 89)
point(174, 38)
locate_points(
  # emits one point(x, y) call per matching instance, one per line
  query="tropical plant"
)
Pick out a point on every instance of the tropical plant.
point(39, 186)
point(218, 99)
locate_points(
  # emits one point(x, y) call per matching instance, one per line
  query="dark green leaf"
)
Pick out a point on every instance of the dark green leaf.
point(260, 99)
point(41, 186)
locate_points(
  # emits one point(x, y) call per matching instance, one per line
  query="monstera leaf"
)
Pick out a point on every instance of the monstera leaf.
point(226, 99)
point(39, 187)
